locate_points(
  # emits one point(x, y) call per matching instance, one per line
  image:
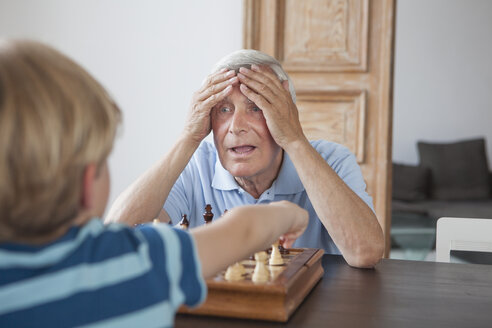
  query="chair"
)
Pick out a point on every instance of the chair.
point(462, 234)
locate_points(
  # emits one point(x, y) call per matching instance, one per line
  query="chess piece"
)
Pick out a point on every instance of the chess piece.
point(260, 274)
point(184, 223)
point(276, 257)
point(281, 248)
point(235, 272)
point(208, 215)
point(155, 221)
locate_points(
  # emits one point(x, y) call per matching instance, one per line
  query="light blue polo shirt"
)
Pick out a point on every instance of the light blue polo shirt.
point(205, 181)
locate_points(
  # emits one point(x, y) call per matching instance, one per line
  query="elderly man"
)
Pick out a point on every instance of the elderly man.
point(260, 154)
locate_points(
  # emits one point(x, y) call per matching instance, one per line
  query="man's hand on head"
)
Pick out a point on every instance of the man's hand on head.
point(262, 86)
point(214, 89)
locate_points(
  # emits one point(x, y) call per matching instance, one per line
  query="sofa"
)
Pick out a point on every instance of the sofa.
point(451, 179)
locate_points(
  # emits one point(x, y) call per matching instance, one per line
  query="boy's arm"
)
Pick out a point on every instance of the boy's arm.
point(247, 229)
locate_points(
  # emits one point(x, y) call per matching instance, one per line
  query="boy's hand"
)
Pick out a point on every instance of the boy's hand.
point(299, 217)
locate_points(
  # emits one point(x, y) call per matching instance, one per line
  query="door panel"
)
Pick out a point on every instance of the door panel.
point(335, 116)
point(326, 36)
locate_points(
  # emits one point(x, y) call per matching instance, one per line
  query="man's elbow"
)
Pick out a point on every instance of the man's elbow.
point(365, 262)
point(367, 257)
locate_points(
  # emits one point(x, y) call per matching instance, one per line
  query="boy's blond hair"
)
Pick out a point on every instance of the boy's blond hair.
point(55, 119)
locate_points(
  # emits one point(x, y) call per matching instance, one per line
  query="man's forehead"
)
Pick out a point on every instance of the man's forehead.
point(245, 100)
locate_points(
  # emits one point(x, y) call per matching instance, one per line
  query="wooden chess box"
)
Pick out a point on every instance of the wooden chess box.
point(274, 300)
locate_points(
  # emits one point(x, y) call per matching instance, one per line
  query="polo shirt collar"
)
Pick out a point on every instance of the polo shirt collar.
point(222, 179)
point(287, 182)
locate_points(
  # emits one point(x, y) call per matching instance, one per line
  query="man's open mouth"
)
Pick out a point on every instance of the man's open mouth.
point(243, 149)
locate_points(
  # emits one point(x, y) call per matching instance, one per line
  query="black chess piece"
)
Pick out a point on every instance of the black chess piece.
point(184, 223)
point(208, 215)
point(281, 248)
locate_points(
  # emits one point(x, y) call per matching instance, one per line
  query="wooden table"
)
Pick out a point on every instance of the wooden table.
point(395, 294)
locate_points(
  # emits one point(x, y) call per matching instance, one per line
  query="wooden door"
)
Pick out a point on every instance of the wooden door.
point(339, 53)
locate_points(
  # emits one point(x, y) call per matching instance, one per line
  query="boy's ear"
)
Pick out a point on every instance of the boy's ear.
point(90, 174)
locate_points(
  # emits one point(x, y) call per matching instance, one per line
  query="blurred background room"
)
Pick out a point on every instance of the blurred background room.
point(152, 55)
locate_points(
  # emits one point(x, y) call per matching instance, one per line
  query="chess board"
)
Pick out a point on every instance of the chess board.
point(274, 300)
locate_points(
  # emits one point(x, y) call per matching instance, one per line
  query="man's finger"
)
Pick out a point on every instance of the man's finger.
point(214, 99)
point(259, 100)
point(215, 78)
point(258, 87)
point(273, 83)
point(216, 88)
point(267, 73)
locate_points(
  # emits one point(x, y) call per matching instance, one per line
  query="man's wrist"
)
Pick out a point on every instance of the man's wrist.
point(190, 140)
point(296, 145)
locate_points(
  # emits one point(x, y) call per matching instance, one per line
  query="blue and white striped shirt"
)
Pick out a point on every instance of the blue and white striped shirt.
point(100, 276)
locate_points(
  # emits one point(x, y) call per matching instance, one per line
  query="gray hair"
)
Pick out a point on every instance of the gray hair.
point(247, 57)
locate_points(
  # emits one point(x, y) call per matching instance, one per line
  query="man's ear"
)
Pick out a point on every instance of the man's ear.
point(285, 84)
point(90, 174)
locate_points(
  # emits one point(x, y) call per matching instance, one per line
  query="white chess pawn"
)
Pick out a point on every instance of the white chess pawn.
point(260, 274)
point(240, 268)
point(235, 272)
point(276, 257)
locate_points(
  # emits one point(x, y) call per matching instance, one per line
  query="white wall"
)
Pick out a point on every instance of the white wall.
point(150, 55)
point(443, 74)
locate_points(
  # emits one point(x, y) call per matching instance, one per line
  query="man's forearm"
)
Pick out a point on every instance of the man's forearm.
point(143, 199)
point(350, 222)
